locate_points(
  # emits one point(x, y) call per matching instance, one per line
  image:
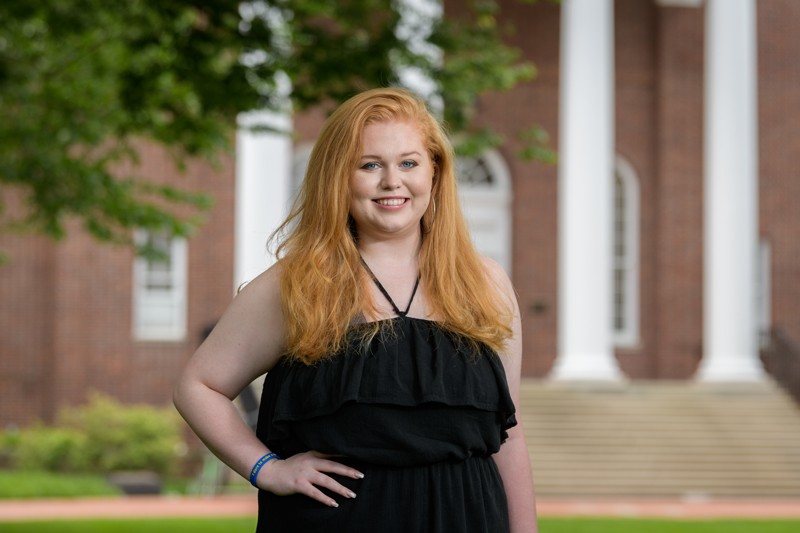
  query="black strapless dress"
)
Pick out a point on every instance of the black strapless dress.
point(418, 411)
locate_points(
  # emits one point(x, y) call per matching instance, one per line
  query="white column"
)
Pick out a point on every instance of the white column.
point(586, 162)
point(731, 194)
point(263, 188)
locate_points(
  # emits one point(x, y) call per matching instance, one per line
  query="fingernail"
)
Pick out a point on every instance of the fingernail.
point(334, 504)
point(360, 475)
point(351, 494)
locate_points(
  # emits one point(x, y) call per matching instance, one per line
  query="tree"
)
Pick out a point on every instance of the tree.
point(82, 80)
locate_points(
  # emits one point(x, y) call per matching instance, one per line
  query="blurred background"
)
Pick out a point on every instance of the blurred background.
point(633, 164)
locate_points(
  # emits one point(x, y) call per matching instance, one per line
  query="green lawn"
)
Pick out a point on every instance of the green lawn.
point(588, 525)
point(24, 484)
point(547, 525)
point(162, 525)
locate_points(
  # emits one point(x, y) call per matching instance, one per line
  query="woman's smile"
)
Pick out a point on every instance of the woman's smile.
point(391, 202)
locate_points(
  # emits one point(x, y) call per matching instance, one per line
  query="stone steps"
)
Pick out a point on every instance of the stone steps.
point(661, 439)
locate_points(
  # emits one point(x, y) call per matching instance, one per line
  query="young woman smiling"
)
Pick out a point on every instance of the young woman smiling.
point(392, 349)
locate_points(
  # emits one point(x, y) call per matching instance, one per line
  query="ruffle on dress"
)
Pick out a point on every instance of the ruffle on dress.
point(416, 394)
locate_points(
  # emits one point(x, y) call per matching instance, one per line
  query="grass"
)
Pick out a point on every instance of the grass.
point(161, 525)
point(546, 525)
point(603, 525)
point(20, 484)
point(23, 484)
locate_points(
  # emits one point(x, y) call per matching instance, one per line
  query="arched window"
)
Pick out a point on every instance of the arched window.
point(474, 172)
point(485, 191)
point(625, 311)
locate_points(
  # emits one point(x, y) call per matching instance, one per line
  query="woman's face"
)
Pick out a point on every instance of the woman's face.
point(390, 188)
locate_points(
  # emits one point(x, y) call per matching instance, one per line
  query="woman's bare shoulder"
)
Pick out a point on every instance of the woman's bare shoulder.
point(495, 271)
point(254, 320)
point(267, 282)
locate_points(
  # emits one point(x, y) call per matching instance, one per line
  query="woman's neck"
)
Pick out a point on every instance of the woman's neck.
point(400, 252)
point(394, 264)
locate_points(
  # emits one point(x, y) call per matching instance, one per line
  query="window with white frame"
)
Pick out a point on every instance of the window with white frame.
point(484, 186)
point(160, 289)
point(625, 306)
point(474, 171)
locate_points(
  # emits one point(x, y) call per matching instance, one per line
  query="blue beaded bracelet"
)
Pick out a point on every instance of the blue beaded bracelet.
point(259, 464)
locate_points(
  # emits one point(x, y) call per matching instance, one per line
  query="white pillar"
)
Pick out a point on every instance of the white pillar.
point(586, 163)
point(263, 187)
point(731, 194)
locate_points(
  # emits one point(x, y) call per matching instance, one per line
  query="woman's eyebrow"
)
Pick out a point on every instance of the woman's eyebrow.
point(406, 154)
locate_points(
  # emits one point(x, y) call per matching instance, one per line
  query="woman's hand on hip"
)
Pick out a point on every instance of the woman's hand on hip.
point(306, 473)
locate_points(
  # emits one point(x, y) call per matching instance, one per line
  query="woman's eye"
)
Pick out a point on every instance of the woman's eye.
point(369, 166)
point(408, 164)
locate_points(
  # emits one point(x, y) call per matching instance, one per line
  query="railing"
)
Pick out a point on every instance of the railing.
point(781, 358)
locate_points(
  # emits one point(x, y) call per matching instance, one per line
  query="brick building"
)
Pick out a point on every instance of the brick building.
point(80, 317)
point(624, 265)
point(661, 72)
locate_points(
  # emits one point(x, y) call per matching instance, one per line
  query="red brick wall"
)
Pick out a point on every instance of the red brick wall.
point(66, 314)
point(779, 155)
point(678, 200)
point(25, 326)
point(658, 84)
point(636, 25)
point(535, 184)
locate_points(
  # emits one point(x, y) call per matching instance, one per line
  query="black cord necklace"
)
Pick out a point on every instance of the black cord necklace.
point(386, 294)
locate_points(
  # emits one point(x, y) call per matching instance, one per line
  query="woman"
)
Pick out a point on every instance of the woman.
point(392, 350)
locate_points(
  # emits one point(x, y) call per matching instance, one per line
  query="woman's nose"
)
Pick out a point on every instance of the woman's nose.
point(390, 180)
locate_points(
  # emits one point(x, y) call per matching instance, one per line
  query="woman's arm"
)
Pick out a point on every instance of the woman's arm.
point(246, 343)
point(512, 460)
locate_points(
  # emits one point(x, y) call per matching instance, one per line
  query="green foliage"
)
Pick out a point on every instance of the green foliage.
point(99, 437)
point(536, 145)
point(83, 81)
point(126, 437)
point(80, 81)
point(472, 58)
point(50, 449)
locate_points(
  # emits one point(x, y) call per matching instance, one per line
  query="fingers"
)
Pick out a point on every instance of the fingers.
point(322, 481)
point(307, 474)
point(333, 467)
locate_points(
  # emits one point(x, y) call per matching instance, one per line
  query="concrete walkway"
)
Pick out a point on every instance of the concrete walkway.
point(245, 505)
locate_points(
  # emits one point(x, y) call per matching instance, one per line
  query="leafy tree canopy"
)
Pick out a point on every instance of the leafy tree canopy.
point(82, 80)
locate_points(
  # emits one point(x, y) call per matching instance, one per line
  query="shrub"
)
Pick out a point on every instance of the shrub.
point(8, 443)
point(136, 437)
point(99, 437)
point(53, 449)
